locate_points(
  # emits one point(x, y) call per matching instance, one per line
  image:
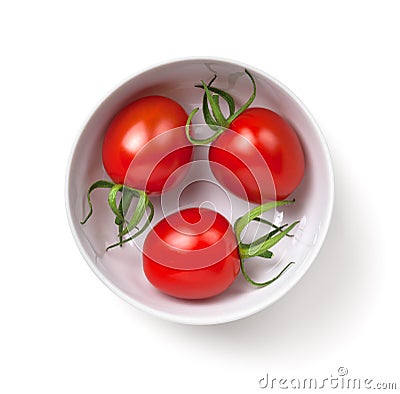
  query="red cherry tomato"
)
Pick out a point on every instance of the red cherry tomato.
point(191, 254)
point(137, 149)
point(261, 160)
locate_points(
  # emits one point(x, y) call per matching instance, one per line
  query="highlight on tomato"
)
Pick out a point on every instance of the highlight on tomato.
point(235, 138)
point(195, 253)
point(148, 132)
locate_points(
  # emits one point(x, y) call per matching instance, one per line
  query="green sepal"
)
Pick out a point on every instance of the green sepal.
point(266, 283)
point(261, 246)
point(266, 255)
point(102, 184)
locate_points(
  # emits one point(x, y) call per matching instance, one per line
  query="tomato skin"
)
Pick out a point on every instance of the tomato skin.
point(275, 140)
point(132, 155)
point(191, 254)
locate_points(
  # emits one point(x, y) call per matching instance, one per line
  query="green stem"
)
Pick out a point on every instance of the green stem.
point(248, 102)
point(204, 141)
point(256, 249)
point(120, 223)
point(141, 206)
point(215, 118)
point(261, 220)
point(97, 185)
point(261, 246)
point(124, 204)
point(215, 108)
point(208, 118)
point(243, 221)
point(262, 284)
point(140, 231)
point(112, 201)
point(120, 210)
point(265, 237)
point(226, 96)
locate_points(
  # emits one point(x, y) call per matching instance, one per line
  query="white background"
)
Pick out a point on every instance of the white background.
point(62, 330)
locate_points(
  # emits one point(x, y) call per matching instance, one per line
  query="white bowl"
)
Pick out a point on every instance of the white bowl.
point(121, 268)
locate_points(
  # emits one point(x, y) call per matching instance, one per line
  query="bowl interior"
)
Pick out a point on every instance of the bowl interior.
point(121, 268)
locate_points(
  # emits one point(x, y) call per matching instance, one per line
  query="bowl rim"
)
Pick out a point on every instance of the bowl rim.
point(196, 320)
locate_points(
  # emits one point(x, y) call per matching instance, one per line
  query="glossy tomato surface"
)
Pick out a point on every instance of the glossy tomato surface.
point(261, 159)
point(145, 144)
point(191, 254)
